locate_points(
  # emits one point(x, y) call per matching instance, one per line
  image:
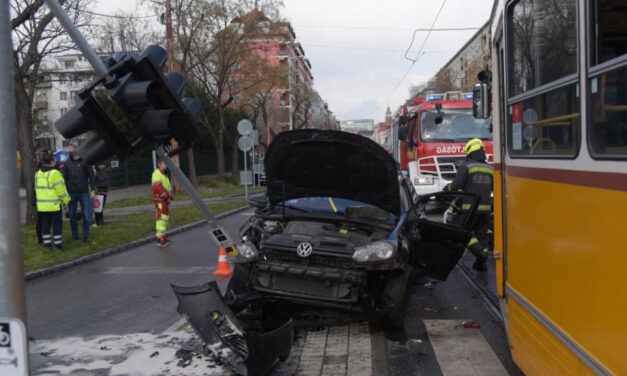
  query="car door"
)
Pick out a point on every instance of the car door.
point(435, 246)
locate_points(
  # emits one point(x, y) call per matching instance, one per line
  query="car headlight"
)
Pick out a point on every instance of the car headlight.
point(374, 252)
point(247, 252)
point(423, 180)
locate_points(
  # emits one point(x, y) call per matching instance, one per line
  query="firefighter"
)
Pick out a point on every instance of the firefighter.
point(162, 194)
point(476, 176)
point(51, 193)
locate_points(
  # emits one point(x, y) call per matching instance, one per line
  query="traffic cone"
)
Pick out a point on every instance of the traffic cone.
point(223, 265)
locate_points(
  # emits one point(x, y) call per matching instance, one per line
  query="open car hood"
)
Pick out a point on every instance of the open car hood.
point(316, 163)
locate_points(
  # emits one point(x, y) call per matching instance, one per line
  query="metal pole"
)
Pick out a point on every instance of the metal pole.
point(11, 272)
point(289, 82)
point(154, 160)
point(12, 302)
point(245, 176)
point(77, 37)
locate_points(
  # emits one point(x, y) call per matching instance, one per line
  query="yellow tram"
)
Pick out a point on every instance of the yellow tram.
point(559, 111)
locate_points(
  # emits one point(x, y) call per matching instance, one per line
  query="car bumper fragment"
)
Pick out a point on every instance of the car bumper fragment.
point(249, 354)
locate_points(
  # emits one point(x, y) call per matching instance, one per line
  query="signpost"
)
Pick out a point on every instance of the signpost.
point(245, 144)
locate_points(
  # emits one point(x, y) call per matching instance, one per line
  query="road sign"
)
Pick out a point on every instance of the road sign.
point(13, 355)
point(244, 127)
point(245, 143)
point(245, 177)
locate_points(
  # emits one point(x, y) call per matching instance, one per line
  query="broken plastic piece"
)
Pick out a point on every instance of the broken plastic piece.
point(249, 354)
point(430, 310)
point(470, 325)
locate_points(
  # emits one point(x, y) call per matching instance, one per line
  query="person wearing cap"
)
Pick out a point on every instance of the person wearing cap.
point(50, 193)
point(476, 176)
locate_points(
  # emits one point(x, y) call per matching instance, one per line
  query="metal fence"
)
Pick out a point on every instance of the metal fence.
point(136, 171)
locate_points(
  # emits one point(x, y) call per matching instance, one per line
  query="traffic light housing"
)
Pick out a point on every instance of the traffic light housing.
point(152, 101)
point(149, 99)
point(87, 115)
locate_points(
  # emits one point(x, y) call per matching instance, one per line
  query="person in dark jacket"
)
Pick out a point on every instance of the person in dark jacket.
point(102, 188)
point(79, 177)
point(476, 176)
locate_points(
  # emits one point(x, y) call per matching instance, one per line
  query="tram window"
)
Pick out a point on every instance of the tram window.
point(546, 124)
point(609, 30)
point(544, 40)
point(608, 128)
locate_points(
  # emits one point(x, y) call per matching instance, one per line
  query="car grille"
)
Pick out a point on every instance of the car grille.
point(306, 281)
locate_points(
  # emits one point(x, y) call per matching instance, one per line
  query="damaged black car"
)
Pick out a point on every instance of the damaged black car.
point(338, 237)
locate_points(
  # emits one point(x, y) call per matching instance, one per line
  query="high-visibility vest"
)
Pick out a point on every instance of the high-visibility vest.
point(159, 177)
point(50, 190)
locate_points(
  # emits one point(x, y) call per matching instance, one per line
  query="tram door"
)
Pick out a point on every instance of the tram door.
point(501, 242)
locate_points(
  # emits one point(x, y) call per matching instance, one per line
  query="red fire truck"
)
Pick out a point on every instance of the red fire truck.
point(436, 129)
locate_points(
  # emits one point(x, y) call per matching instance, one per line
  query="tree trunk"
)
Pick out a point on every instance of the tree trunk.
point(235, 158)
point(25, 145)
point(220, 144)
point(191, 164)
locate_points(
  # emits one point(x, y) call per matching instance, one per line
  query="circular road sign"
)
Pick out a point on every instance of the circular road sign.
point(245, 143)
point(244, 127)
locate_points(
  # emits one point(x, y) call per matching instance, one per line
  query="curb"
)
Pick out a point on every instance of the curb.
point(120, 248)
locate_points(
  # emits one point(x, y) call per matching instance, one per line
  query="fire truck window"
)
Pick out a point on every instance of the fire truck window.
point(608, 128)
point(457, 125)
point(546, 124)
point(544, 42)
point(608, 30)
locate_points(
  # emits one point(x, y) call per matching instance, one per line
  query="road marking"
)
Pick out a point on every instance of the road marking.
point(462, 351)
point(178, 325)
point(160, 269)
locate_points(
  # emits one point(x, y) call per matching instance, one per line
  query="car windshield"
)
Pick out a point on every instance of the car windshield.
point(456, 125)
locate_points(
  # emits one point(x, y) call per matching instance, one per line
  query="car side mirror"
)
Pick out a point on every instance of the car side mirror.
point(481, 101)
point(440, 117)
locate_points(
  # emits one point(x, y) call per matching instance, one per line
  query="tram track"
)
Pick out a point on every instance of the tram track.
point(489, 300)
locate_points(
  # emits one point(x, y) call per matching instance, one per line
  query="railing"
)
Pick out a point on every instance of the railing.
point(443, 167)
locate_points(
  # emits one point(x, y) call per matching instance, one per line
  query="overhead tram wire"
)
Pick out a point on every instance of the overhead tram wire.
point(387, 28)
point(420, 51)
point(117, 16)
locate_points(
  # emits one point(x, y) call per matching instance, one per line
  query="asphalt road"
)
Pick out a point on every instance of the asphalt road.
point(117, 316)
point(128, 292)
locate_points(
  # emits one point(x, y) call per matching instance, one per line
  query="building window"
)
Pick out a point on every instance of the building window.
point(63, 111)
point(543, 34)
point(63, 95)
point(69, 64)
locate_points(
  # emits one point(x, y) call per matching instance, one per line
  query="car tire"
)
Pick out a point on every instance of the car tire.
point(397, 290)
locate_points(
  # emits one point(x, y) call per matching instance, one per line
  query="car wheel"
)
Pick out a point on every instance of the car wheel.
point(397, 293)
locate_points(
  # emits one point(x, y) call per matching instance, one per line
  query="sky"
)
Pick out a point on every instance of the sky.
point(357, 47)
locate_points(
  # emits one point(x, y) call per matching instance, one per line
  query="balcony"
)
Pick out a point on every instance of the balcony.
point(41, 105)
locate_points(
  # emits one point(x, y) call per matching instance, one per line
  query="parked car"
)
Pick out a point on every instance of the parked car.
point(338, 235)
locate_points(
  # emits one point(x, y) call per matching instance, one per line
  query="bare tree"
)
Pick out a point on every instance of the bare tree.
point(126, 32)
point(217, 52)
point(36, 35)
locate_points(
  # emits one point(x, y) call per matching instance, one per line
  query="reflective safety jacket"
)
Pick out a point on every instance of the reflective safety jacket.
point(50, 190)
point(161, 188)
point(475, 177)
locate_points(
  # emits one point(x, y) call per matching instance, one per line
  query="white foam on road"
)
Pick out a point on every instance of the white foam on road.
point(462, 352)
point(139, 354)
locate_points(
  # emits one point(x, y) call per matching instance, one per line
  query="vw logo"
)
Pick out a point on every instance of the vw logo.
point(304, 249)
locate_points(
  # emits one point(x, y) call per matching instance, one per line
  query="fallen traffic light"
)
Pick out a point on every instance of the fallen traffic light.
point(87, 115)
point(152, 101)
